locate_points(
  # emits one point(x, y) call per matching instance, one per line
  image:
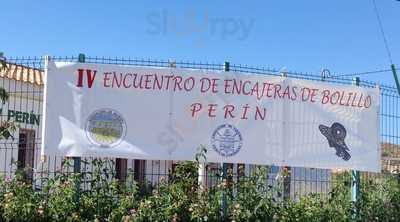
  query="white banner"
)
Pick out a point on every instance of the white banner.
point(167, 113)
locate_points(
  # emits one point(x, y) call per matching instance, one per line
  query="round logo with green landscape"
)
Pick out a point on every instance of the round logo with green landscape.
point(105, 128)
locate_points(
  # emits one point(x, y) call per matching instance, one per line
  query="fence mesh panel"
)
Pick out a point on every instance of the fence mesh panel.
point(24, 107)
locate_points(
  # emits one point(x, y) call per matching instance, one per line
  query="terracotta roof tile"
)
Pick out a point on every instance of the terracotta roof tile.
point(23, 73)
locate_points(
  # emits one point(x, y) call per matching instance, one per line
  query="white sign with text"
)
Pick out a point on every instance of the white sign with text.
point(96, 110)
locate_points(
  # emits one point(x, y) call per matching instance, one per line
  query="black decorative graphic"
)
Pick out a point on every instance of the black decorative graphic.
point(336, 135)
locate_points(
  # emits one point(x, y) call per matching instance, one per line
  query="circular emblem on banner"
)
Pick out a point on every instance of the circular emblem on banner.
point(105, 128)
point(226, 140)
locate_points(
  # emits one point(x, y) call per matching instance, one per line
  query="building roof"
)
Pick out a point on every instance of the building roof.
point(23, 73)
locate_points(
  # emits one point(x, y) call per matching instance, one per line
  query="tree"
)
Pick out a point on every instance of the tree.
point(3, 64)
point(7, 128)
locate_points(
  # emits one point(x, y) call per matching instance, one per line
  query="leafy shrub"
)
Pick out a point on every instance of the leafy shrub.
point(59, 198)
point(180, 198)
point(379, 200)
point(102, 196)
point(20, 202)
point(254, 200)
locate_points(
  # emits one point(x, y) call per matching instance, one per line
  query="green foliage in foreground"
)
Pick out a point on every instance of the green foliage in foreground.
point(181, 199)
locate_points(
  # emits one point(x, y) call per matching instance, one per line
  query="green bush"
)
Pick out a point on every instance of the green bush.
point(379, 200)
point(253, 199)
point(59, 199)
point(103, 198)
point(20, 202)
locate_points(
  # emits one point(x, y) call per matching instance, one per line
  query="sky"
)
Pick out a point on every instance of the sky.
point(304, 36)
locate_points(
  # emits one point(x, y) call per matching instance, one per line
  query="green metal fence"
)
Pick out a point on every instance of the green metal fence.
point(26, 97)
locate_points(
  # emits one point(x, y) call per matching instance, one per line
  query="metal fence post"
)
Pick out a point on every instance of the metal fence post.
point(355, 175)
point(77, 160)
point(396, 80)
point(225, 167)
point(286, 170)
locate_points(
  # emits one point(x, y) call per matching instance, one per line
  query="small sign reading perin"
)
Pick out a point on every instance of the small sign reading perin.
point(22, 117)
